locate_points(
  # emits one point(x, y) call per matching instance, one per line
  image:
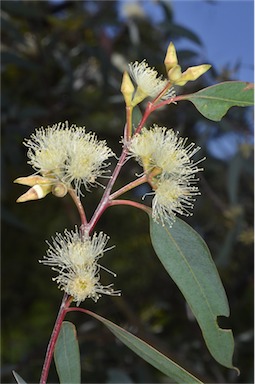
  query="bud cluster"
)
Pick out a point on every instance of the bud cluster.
point(175, 75)
point(150, 84)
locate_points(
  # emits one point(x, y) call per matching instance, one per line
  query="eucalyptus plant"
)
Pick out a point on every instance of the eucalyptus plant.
point(68, 159)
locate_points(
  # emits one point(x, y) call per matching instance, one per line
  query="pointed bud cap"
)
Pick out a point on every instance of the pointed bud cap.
point(127, 88)
point(35, 193)
point(193, 73)
point(30, 181)
point(171, 57)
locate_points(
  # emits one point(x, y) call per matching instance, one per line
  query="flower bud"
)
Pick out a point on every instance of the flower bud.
point(59, 190)
point(35, 193)
point(171, 57)
point(174, 74)
point(193, 73)
point(127, 88)
point(30, 181)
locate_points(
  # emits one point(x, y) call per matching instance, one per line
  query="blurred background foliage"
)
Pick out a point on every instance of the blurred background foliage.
point(64, 61)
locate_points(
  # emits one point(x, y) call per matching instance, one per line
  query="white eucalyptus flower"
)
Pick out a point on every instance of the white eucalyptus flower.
point(87, 160)
point(170, 170)
point(75, 257)
point(68, 154)
point(148, 82)
point(161, 148)
point(173, 196)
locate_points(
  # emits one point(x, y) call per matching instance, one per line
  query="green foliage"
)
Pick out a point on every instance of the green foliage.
point(59, 63)
point(188, 261)
point(67, 355)
point(18, 378)
point(214, 102)
point(148, 353)
point(136, 117)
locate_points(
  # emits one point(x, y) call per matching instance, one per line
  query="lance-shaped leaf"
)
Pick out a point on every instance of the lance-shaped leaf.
point(188, 261)
point(148, 353)
point(136, 118)
point(18, 378)
point(67, 355)
point(214, 102)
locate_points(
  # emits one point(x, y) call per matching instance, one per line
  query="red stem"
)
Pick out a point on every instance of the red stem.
point(128, 187)
point(104, 203)
point(152, 106)
point(147, 112)
point(66, 301)
point(131, 203)
point(128, 127)
point(79, 206)
point(169, 101)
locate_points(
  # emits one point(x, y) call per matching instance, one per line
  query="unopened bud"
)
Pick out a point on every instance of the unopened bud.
point(127, 88)
point(59, 190)
point(193, 73)
point(30, 181)
point(35, 193)
point(175, 74)
point(171, 57)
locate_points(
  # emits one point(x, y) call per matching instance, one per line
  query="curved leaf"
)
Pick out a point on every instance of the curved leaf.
point(67, 355)
point(18, 378)
point(136, 117)
point(214, 102)
point(187, 259)
point(148, 353)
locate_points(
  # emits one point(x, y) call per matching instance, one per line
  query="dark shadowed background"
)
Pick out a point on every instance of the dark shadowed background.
point(64, 61)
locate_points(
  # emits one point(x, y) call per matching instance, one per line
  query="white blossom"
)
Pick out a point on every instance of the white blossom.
point(170, 169)
point(68, 154)
point(75, 257)
point(162, 148)
point(173, 196)
point(148, 82)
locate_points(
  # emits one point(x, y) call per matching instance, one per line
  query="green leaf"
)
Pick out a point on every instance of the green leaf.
point(188, 261)
point(148, 353)
point(22, 9)
point(15, 59)
point(18, 378)
point(214, 102)
point(136, 118)
point(233, 177)
point(67, 355)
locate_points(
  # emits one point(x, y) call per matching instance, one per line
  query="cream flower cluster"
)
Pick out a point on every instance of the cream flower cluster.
point(148, 82)
point(68, 154)
point(170, 170)
point(75, 257)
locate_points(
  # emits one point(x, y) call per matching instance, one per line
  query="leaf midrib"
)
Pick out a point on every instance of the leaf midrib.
point(193, 274)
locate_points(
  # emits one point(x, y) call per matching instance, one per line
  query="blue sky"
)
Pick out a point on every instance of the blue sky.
point(226, 28)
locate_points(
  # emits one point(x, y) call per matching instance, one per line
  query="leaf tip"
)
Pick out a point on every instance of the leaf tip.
point(248, 86)
point(237, 370)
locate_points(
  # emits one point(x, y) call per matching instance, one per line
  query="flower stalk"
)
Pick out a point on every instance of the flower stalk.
point(79, 206)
